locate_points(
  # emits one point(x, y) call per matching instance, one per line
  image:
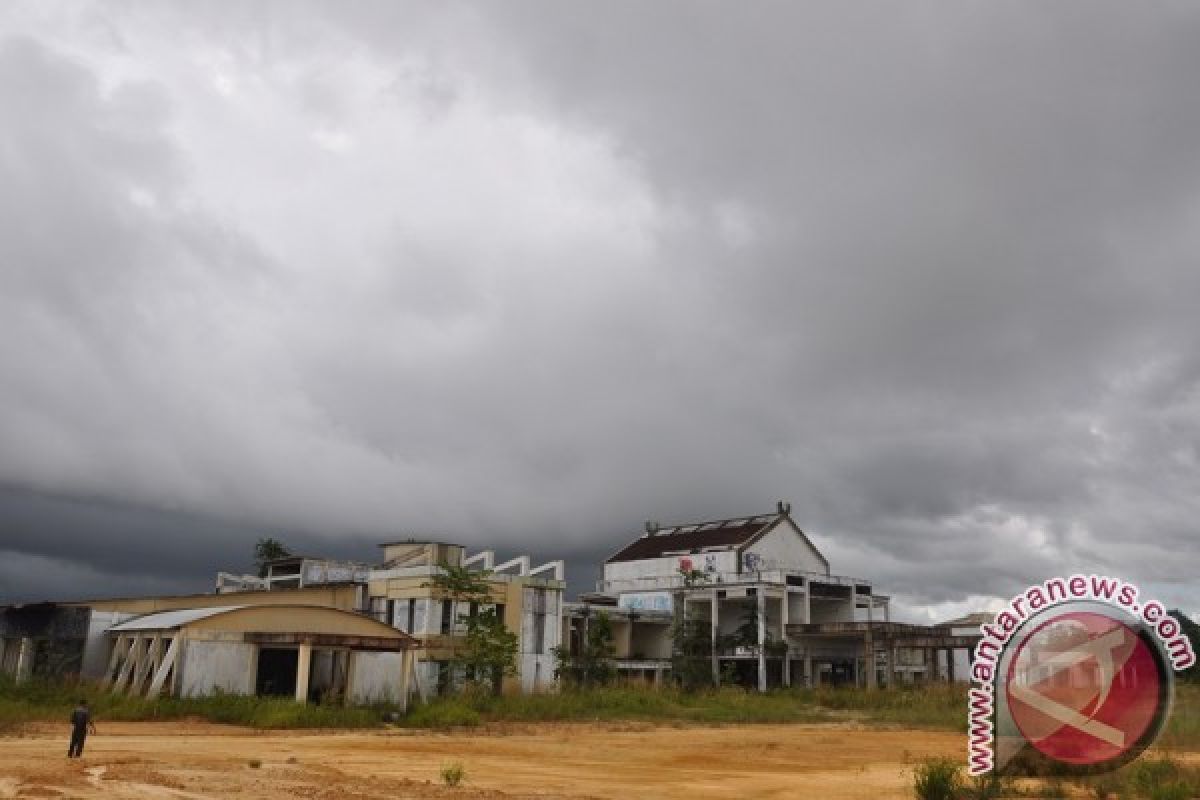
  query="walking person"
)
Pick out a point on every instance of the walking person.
point(81, 724)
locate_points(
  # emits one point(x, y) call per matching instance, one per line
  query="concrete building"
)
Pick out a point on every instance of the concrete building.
point(400, 592)
point(311, 653)
point(309, 639)
point(778, 615)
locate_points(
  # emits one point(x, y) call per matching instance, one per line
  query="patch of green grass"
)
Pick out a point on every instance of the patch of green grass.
point(35, 701)
point(1183, 728)
point(616, 703)
point(453, 773)
point(938, 706)
point(937, 779)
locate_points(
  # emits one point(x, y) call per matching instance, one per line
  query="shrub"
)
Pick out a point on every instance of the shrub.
point(1149, 774)
point(937, 779)
point(986, 787)
point(453, 773)
point(445, 712)
point(1172, 791)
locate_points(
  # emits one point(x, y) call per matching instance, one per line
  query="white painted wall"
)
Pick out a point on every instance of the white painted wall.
point(208, 666)
point(376, 677)
point(784, 547)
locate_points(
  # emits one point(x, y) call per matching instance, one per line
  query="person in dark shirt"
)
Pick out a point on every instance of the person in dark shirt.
point(81, 724)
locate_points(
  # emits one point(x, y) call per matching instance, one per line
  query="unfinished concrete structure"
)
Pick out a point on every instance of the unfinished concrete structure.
point(400, 591)
point(42, 638)
point(306, 652)
point(778, 615)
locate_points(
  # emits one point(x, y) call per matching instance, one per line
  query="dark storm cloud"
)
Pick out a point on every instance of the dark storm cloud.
point(528, 274)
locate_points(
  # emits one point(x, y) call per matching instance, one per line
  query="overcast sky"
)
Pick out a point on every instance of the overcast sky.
point(526, 274)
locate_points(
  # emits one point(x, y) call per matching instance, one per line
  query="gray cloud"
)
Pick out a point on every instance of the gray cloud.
point(528, 275)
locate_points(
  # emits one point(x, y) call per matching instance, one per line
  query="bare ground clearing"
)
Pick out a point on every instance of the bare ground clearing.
point(620, 760)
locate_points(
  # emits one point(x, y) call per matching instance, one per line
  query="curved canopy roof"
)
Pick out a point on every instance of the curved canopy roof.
point(273, 623)
point(166, 620)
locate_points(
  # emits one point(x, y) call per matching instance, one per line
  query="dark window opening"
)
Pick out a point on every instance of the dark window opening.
point(276, 672)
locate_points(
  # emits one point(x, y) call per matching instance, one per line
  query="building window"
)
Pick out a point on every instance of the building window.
point(447, 616)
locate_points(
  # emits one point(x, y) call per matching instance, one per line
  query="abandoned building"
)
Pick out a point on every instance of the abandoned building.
point(308, 644)
point(316, 628)
point(400, 592)
point(311, 653)
point(778, 615)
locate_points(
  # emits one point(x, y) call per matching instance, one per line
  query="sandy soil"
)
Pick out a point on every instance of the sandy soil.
point(200, 760)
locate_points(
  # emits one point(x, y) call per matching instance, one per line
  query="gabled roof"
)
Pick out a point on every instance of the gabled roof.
point(698, 537)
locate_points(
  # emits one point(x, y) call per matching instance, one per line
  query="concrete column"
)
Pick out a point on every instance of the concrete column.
point(950, 665)
point(809, 677)
point(807, 601)
point(869, 658)
point(893, 665)
point(784, 621)
point(624, 643)
point(25, 660)
point(854, 609)
point(303, 669)
point(760, 600)
point(658, 677)
point(716, 663)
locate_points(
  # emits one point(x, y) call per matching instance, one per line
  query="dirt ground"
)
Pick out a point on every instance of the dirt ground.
point(201, 760)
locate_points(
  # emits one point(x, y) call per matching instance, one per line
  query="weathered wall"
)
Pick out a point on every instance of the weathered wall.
point(826, 609)
point(669, 566)
point(650, 641)
point(796, 612)
point(98, 647)
point(208, 666)
point(784, 547)
point(375, 677)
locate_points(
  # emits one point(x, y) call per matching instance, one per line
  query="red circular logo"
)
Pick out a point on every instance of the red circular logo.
point(1084, 688)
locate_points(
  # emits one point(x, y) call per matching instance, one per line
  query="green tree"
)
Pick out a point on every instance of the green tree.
point(592, 663)
point(268, 549)
point(691, 653)
point(691, 640)
point(488, 652)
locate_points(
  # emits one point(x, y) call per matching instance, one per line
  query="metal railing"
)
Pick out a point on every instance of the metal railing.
point(711, 579)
